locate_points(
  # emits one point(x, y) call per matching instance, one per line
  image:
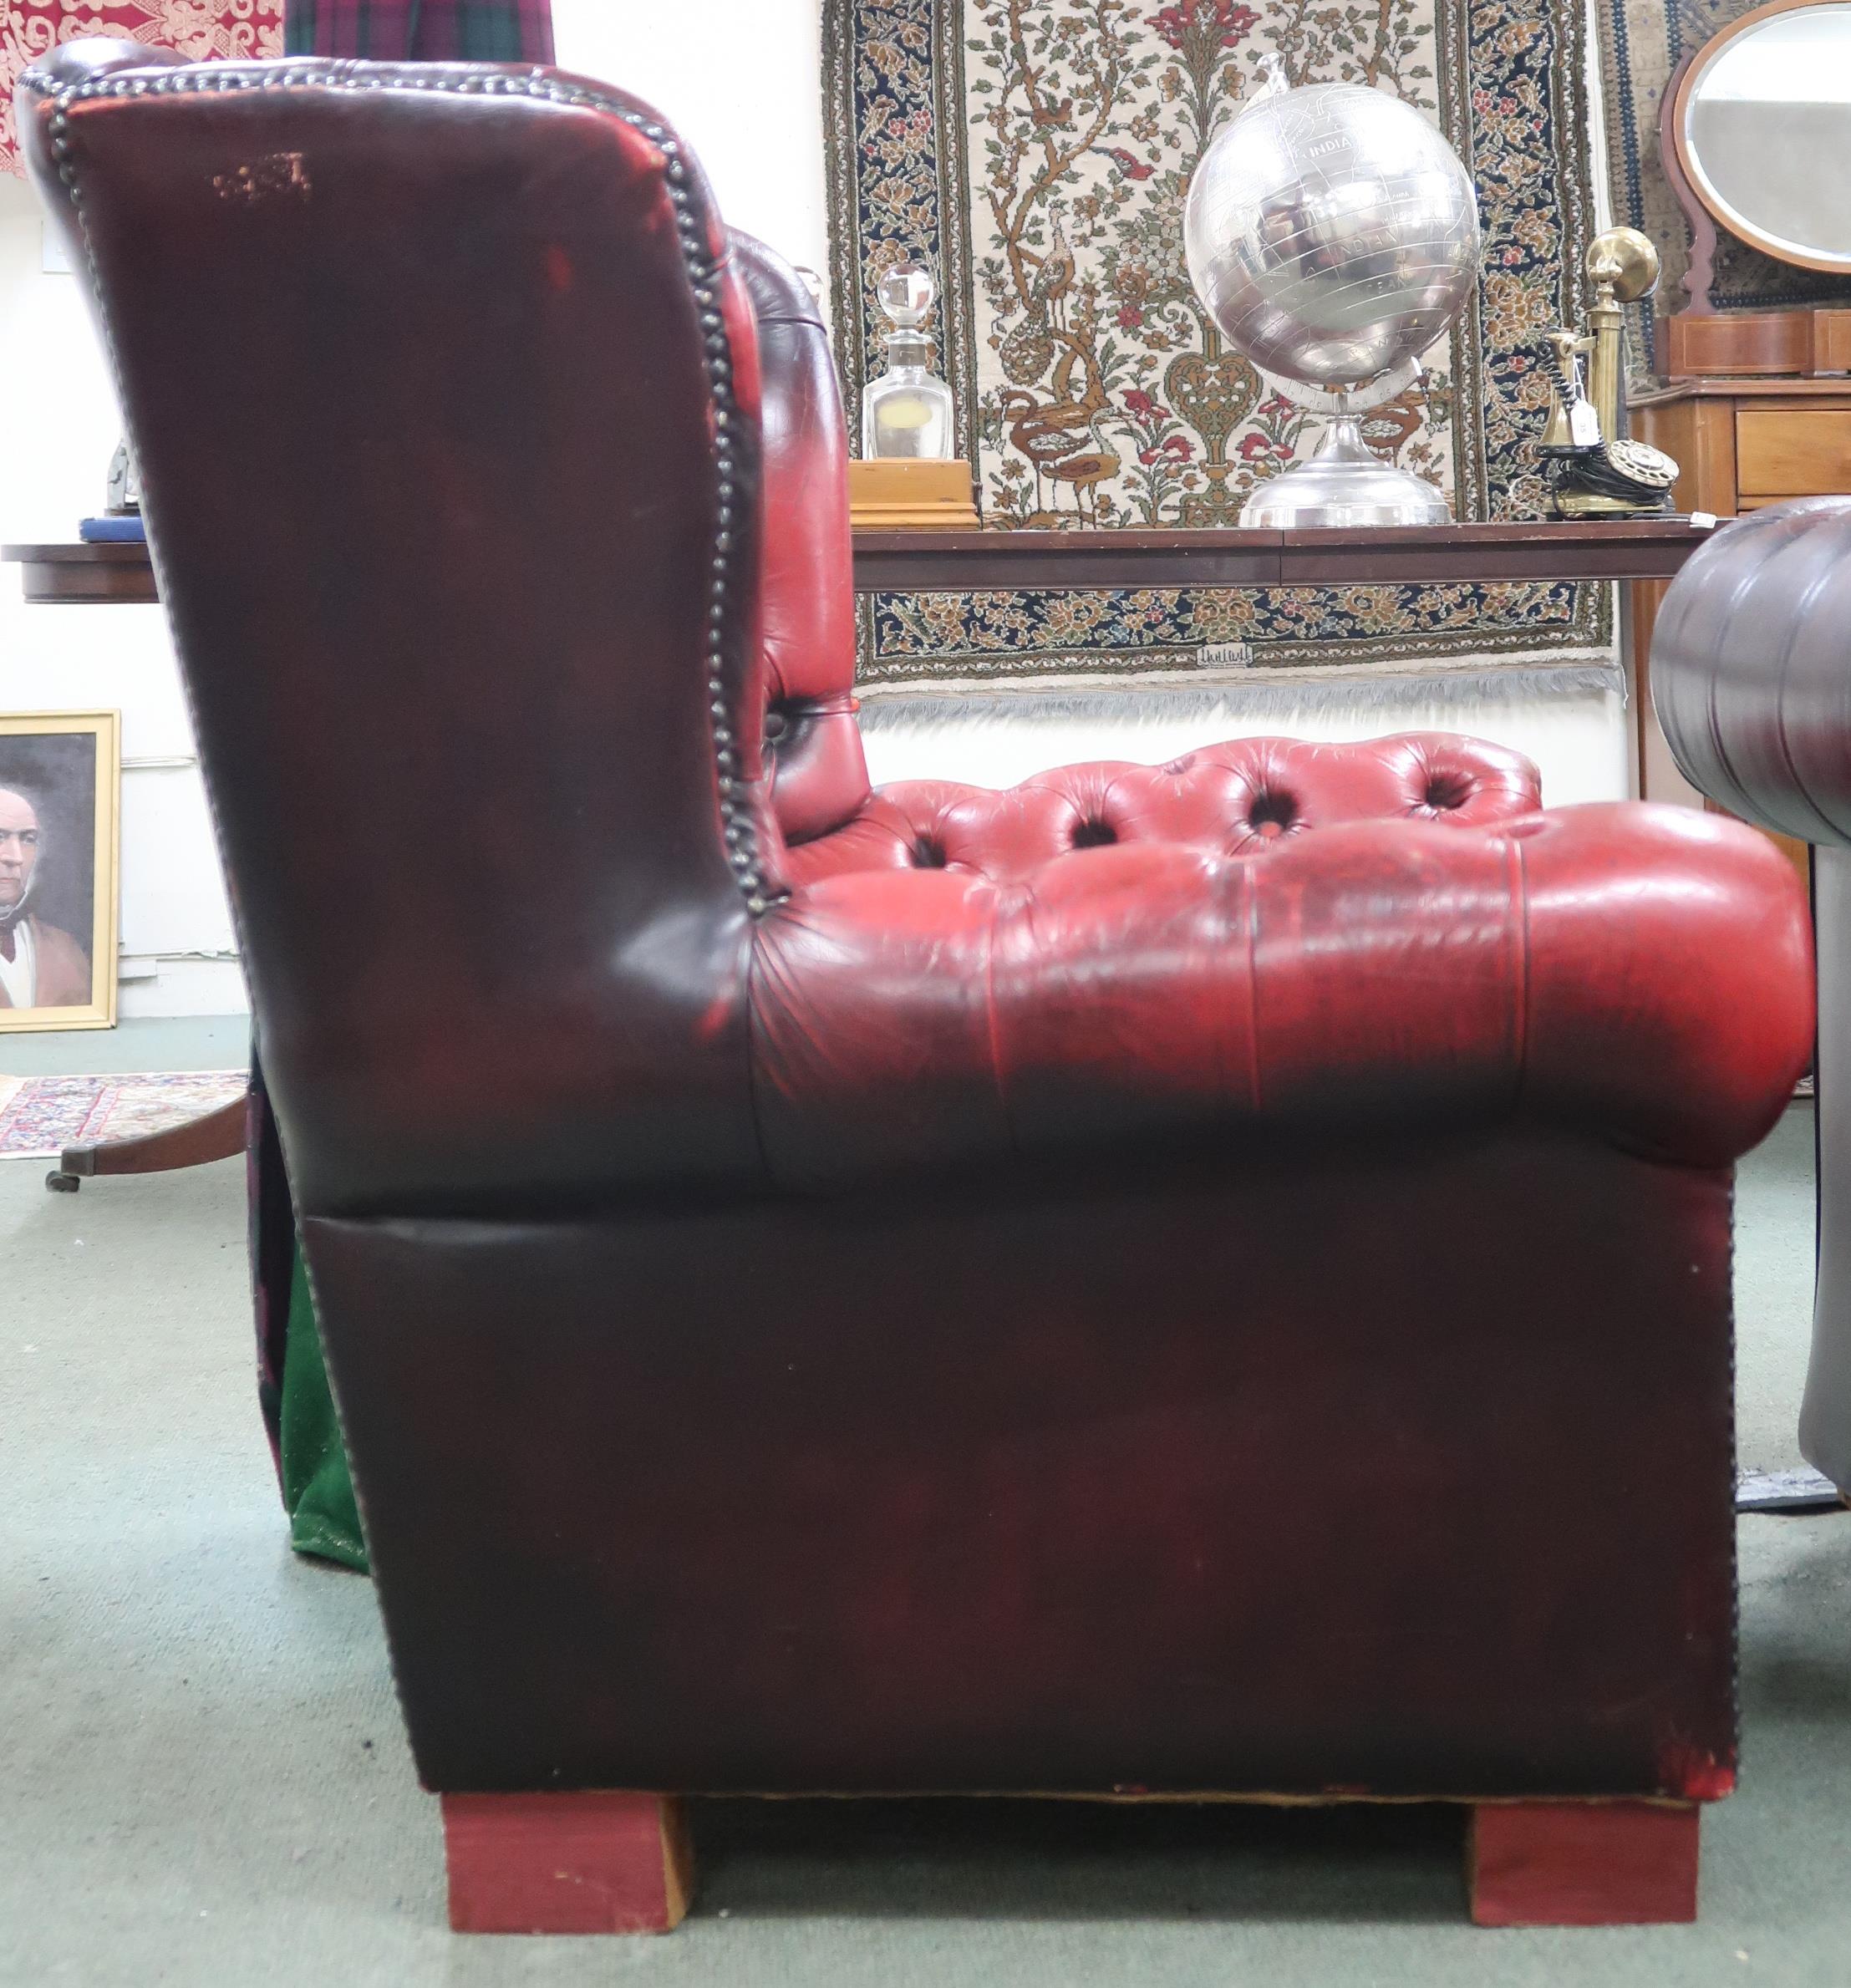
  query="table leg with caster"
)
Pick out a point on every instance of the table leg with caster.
point(217, 1134)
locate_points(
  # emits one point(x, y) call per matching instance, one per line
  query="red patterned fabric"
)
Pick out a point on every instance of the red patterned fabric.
point(202, 30)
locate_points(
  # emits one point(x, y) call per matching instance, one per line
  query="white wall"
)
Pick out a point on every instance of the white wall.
point(741, 80)
point(58, 431)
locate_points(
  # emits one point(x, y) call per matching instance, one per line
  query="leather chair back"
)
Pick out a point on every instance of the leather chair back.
point(478, 545)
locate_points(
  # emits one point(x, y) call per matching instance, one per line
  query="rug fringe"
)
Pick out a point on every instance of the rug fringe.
point(1242, 702)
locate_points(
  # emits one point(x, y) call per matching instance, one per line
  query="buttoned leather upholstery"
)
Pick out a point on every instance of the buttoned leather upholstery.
point(1750, 680)
point(1147, 1280)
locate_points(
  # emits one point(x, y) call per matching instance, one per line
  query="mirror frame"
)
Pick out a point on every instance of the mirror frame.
point(1680, 171)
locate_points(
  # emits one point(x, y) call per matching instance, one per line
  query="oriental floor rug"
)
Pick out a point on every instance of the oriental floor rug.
point(1037, 152)
point(40, 1116)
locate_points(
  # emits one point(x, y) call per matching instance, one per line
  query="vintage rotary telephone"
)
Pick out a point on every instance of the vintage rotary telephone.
point(1594, 469)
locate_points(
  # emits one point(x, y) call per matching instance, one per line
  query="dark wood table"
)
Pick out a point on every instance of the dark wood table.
point(1620, 549)
point(924, 562)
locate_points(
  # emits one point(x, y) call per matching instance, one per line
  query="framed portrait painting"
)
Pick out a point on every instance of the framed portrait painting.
point(60, 776)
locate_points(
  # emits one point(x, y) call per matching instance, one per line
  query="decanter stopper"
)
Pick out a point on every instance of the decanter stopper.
point(907, 411)
point(905, 294)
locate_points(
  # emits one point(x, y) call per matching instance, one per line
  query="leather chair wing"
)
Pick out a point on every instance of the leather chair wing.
point(812, 745)
point(446, 397)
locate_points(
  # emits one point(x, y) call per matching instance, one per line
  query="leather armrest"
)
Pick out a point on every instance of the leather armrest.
point(1641, 974)
point(1750, 669)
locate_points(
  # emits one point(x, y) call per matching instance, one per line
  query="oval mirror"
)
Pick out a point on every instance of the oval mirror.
point(1762, 125)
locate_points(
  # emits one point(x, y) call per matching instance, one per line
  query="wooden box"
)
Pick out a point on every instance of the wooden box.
point(897, 495)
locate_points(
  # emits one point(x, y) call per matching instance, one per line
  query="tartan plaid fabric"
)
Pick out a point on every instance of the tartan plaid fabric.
point(422, 30)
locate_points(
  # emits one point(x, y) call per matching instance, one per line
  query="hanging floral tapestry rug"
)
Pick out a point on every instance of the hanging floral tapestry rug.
point(1037, 152)
point(1643, 43)
point(201, 30)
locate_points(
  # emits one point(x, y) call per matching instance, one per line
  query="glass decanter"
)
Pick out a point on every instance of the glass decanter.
point(907, 412)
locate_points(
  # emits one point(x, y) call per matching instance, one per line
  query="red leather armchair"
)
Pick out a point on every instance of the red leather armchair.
point(1210, 1279)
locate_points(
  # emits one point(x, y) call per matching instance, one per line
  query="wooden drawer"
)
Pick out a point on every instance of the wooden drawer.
point(1793, 452)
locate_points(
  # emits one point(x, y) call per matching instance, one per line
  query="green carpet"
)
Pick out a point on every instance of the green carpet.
point(203, 1779)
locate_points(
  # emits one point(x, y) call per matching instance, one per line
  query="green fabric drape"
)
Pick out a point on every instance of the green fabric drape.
point(318, 1489)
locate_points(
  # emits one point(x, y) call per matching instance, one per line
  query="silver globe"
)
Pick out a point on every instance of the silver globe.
point(1332, 234)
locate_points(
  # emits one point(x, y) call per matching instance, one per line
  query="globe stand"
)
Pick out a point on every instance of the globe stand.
point(1344, 484)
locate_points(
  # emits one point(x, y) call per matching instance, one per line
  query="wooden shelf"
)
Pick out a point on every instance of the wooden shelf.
point(76, 572)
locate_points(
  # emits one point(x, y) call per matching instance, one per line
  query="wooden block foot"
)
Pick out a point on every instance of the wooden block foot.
point(1584, 1863)
point(566, 1863)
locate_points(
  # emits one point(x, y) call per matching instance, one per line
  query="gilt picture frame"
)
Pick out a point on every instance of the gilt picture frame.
point(60, 815)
